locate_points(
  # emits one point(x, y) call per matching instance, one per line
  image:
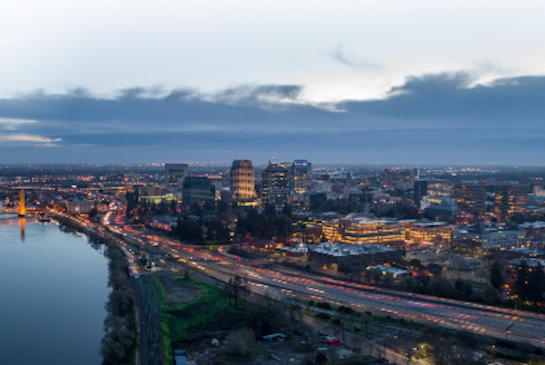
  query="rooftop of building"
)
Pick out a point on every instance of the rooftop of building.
point(390, 270)
point(294, 249)
point(339, 249)
point(490, 227)
point(531, 262)
point(534, 225)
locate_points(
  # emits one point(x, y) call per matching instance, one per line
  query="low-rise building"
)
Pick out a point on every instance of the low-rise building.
point(394, 271)
point(356, 229)
point(490, 236)
point(429, 232)
point(356, 257)
point(76, 207)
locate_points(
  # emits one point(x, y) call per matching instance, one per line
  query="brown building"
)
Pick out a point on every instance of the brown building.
point(470, 197)
point(511, 197)
point(242, 180)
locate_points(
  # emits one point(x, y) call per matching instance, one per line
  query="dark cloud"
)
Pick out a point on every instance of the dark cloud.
point(447, 99)
point(427, 118)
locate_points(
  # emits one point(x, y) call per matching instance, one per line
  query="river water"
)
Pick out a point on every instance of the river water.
point(53, 287)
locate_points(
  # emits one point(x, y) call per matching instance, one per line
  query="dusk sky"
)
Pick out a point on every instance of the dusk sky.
point(409, 82)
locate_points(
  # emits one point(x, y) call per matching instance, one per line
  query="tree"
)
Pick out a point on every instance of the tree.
point(239, 341)
point(490, 295)
point(522, 282)
point(287, 210)
point(235, 290)
point(496, 275)
point(536, 284)
point(321, 358)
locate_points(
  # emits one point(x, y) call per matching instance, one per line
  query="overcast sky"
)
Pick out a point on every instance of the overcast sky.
point(331, 81)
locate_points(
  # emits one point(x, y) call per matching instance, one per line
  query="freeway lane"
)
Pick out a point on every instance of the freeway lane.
point(441, 312)
point(417, 308)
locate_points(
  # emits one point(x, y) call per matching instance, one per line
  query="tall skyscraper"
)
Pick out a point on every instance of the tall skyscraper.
point(470, 197)
point(420, 190)
point(175, 173)
point(242, 180)
point(300, 176)
point(511, 197)
point(275, 185)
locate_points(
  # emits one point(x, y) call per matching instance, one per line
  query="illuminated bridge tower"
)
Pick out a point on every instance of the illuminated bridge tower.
point(22, 208)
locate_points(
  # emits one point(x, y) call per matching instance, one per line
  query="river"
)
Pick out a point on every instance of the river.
point(53, 287)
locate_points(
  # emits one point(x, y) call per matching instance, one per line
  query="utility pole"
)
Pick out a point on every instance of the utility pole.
point(508, 328)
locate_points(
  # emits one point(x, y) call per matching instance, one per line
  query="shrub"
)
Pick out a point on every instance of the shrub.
point(239, 341)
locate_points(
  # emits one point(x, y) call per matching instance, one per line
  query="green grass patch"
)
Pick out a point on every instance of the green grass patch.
point(253, 353)
point(189, 324)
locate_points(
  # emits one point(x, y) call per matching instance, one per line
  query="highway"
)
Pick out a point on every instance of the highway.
point(279, 281)
point(445, 313)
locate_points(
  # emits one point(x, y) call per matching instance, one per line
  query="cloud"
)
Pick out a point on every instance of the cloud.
point(443, 115)
point(11, 124)
point(16, 140)
point(354, 63)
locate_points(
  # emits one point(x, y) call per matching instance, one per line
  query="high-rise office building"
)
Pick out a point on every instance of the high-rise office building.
point(420, 191)
point(300, 176)
point(242, 180)
point(175, 174)
point(392, 178)
point(198, 189)
point(275, 185)
point(439, 191)
point(511, 197)
point(470, 197)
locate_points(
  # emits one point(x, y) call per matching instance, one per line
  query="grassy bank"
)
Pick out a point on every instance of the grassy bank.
point(210, 314)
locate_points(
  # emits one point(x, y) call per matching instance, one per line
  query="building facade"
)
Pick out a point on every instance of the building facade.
point(511, 198)
point(242, 180)
point(398, 178)
point(490, 236)
point(386, 232)
point(470, 197)
point(198, 189)
point(77, 207)
point(439, 191)
point(300, 176)
point(275, 186)
point(420, 190)
point(175, 174)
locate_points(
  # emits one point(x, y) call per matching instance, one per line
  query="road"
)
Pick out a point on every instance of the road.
point(278, 281)
point(450, 314)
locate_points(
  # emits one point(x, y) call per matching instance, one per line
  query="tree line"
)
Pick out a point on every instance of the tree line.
point(119, 341)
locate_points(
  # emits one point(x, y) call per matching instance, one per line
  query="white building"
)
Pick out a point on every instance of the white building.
point(490, 236)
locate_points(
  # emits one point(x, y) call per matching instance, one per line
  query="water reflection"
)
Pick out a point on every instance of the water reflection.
point(54, 284)
point(22, 222)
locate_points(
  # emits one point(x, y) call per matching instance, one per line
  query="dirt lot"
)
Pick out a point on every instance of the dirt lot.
point(177, 292)
point(292, 351)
